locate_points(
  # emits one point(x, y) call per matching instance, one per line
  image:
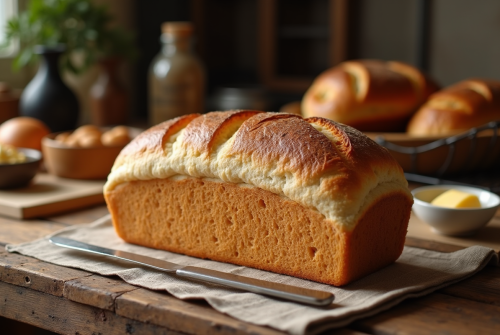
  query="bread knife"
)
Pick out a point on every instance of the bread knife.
point(277, 290)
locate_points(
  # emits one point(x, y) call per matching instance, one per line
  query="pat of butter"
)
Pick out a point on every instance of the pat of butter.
point(456, 199)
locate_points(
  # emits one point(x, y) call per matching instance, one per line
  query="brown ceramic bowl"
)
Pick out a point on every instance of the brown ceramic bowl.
point(20, 174)
point(78, 163)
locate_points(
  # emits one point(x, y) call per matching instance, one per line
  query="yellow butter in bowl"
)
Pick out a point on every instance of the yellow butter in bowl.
point(10, 155)
point(456, 199)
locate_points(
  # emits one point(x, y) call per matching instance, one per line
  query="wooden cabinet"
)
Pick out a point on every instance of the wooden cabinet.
point(298, 40)
point(281, 45)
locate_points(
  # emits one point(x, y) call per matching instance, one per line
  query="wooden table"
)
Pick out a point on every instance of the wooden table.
point(70, 301)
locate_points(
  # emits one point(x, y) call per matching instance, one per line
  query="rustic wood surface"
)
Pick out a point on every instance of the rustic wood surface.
point(84, 216)
point(48, 194)
point(435, 314)
point(97, 291)
point(36, 275)
point(69, 301)
point(64, 316)
point(190, 317)
point(488, 236)
point(15, 231)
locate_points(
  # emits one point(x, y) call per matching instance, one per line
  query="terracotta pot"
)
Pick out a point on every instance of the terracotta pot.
point(78, 163)
point(108, 99)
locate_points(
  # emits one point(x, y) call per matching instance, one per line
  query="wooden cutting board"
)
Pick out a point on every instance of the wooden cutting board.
point(49, 195)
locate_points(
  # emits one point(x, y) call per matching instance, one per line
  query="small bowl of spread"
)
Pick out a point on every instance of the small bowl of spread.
point(18, 166)
point(454, 210)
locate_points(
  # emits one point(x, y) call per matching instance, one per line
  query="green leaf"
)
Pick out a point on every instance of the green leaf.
point(26, 57)
point(80, 24)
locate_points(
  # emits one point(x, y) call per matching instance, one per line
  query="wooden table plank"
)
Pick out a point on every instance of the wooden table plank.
point(483, 287)
point(28, 272)
point(435, 314)
point(96, 291)
point(102, 293)
point(14, 231)
point(63, 316)
point(84, 216)
point(195, 318)
point(488, 236)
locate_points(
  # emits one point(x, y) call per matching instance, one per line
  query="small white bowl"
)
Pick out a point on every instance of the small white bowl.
point(454, 221)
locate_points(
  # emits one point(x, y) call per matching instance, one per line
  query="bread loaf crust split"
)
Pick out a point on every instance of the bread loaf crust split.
point(251, 227)
point(369, 95)
point(326, 189)
point(467, 104)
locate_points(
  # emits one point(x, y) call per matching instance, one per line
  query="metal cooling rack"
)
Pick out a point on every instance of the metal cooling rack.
point(489, 179)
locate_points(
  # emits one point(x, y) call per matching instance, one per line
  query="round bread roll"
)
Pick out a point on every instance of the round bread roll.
point(118, 135)
point(369, 95)
point(72, 141)
point(86, 130)
point(90, 140)
point(62, 137)
point(457, 108)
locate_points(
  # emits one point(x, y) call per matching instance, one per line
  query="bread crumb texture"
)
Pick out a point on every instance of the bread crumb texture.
point(249, 226)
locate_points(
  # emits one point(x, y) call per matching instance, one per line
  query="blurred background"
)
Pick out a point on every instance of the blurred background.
point(275, 48)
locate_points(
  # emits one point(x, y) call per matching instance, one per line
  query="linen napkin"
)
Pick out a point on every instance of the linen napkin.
point(416, 273)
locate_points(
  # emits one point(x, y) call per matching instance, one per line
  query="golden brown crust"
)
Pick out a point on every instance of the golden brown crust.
point(383, 82)
point(288, 141)
point(316, 162)
point(252, 227)
point(467, 104)
point(348, 138)
point(205, 132)
point(369, 95)
point(153, 140)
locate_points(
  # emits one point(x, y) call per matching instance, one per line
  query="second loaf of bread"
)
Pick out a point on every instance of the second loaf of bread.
point(369, 95)
point(458, 108)
point(305, 197)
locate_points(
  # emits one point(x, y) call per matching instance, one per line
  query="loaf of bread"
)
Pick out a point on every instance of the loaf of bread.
point(467, 104)
point(304, 197)
point(368, 95)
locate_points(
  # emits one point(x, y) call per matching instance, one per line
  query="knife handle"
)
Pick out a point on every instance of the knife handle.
point(278, 290)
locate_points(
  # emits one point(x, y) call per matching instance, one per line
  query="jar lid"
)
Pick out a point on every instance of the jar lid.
point(177, 28)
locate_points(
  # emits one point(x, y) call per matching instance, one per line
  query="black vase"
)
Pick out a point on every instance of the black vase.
point(47, 97)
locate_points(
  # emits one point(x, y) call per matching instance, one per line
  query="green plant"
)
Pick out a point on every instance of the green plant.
point(81, 25)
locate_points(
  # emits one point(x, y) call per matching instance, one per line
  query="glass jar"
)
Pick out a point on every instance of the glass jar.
point(176, 76)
